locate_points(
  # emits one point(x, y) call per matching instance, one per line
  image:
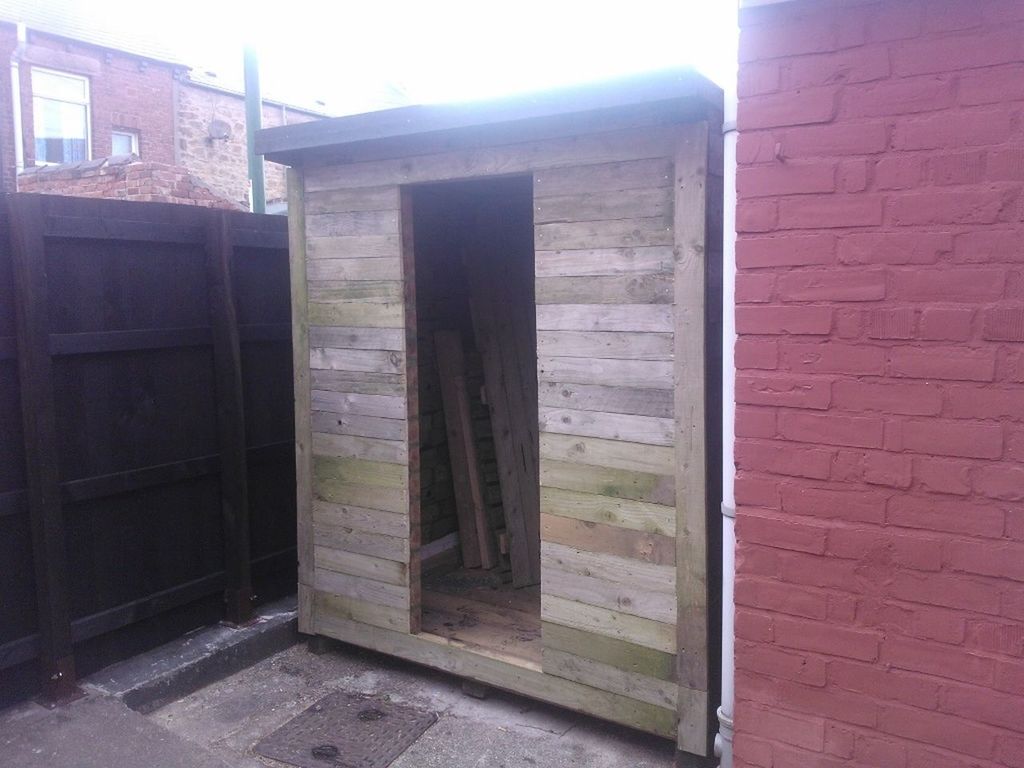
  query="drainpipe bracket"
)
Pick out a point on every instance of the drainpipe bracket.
point(728, 511)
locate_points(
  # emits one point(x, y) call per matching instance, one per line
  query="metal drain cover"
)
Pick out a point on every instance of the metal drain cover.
point(347, 730)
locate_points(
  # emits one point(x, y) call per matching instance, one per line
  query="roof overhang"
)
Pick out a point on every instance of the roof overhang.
point(672, 95)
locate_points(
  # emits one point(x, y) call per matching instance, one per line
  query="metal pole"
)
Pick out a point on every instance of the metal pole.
point(253, 122)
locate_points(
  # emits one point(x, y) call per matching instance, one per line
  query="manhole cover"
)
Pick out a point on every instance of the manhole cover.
point(347, 730)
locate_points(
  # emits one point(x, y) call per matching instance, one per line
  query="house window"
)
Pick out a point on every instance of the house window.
point(124, 143)
point(60, 110)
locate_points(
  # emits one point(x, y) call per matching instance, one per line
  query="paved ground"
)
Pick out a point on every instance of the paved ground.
point(217, 726)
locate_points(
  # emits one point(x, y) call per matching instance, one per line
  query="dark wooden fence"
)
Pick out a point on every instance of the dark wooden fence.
point(146, 468)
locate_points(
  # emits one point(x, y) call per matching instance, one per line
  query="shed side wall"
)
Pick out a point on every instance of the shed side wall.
point(880, 418)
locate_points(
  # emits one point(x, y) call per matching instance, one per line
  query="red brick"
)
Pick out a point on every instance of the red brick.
point(1004, 561)
point(948, 15)
point(990, 245)
point(784, 320)
point(766, 660)
point(757, 490)
point(893, 248)
point(832, 285)
point(789, 729)
point(783, 391)
point(1003, 324)
point(823, 638)
point(894, 21)
point(832, 357)
point(898, 97)
point(785, 250)
point(756, 215)
point(790, 37)
point(943, 661)
point(751, 752)
point(854, 431)
point(756, 354)
point(954, 438)
point(856, 65)
point(947, 591)
point(783, 459)
point(872, 545)
point(804, 107)
point(953, 129)
point(839, 741)
point(983, 705)
point(834, 503)
point(835, 140)
point(960, 207)
point(781, 533)
point(942, 475)
point(1006, 164)
point(992, 86)
point(937, 513)
point(898, 323)
point(937, 729)
point(824, 212)
point(949, 363)
point(998, 637)
point(925, 622)
point(781, 598)
point(950, 54)
point(757, 147)
point(985, 402)
point(758, 78)
point(754, 287)
point(1010, 676)
point(880, 468)
point(829, 702)
point(752, 626)
point(853, 175)
point(912, 399)
point(880, 752)
point(1000, 481)
point(958, 168)
point(785, 179)
point(941, 324)
point(883, 684)
point(1011, 751)
point(960, 284)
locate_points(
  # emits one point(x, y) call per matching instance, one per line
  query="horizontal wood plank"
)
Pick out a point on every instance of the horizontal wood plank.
point(594, 397)
point(651, 318)
point(613, 652)
point(659, 693)
point(359, 314)
point(618, 233)
point(364, 590)
point(352, 223)
point(608, 453)
point(360, 447)
point(384, 291)
point(370, 361)
point(624, 513)
point(603, 205)
point(614, 345)
point(601, 621)
point(361, 519)
point(605, 289)
point(647, 430)
point(354, 247)
point(366, 566)
point(385, 406)
point(350, 609)
point(354, 269)
point(604, 177)
point(596, 537)
point(359, 426)
point(613, 594)
point(363, 543)
point(653, 374)
point(362, 199)
point(619, 483)
point(604, 261)
point(348, 337)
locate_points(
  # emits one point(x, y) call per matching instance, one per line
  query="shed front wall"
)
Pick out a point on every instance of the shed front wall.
point(621, 461)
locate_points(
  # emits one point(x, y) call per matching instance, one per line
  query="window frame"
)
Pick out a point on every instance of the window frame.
point(87, 103)
point(134, 135)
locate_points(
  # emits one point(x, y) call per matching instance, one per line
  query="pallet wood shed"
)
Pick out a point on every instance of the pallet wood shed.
point(506, 333)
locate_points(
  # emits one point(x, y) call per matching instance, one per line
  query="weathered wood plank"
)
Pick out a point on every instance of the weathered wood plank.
point(615, 595)
point(646, 576)
point(605, 261)
point(647, 430)
point(354, 269)
point(370, 361)
point(615, 454)
point(619, 654)
point(333, 470)
point(605, 177)
point(601, 621)
point(605, 481)
point(624, 513)
point(362, 199)
point(352, 223)
point(593, 397)
point(604, 205)
point(611, 146)
point(358, 426)
point(605, 317)
point(616, 345)
point(617, 233)
point(353, 247)
point(659, 693)
point(359, 314)
point(350, 609)
point(596, 537)
point(388, 339)
point(361, 542)
point(357, 382)
point(360, 447)
point(605, 289)
point(653, 374)
point(376, 568)
point(361, 519)
point(383, 291)
point(364, 590)
point(384, 406)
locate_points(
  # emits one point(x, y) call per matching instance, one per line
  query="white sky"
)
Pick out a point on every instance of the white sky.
point(437, 50)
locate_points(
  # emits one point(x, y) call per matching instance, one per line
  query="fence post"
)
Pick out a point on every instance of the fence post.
point(35, 372)
point(227, 359)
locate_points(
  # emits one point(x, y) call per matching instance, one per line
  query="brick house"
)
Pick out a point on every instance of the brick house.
point(86, 95)
point(880, 384)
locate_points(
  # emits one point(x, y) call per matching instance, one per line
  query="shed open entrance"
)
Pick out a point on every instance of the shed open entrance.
point(477, 389)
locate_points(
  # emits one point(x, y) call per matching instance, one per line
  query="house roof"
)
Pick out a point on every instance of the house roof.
point(670, 94)
point(79, 23)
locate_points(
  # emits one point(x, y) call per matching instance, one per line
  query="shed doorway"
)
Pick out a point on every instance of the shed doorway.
point(476, 369)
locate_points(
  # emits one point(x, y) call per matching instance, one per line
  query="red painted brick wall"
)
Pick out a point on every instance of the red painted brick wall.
point(880, 390)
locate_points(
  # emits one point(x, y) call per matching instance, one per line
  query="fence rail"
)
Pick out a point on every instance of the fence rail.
point(145, 421)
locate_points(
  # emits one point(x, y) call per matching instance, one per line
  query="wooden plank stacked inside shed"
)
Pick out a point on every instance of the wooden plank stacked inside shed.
point(604, 264)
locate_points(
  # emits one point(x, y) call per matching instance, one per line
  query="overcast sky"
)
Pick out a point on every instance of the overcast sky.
point(436, 50)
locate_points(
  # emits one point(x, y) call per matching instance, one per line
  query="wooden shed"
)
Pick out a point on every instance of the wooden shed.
point(507, 336)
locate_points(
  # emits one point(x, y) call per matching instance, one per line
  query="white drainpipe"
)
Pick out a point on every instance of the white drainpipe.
point(723, 742)
point(19, 137)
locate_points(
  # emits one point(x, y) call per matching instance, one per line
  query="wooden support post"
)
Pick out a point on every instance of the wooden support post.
point(49, 555)
point(227, 359)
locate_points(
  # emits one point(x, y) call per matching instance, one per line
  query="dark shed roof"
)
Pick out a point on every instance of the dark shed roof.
point(666, 96)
